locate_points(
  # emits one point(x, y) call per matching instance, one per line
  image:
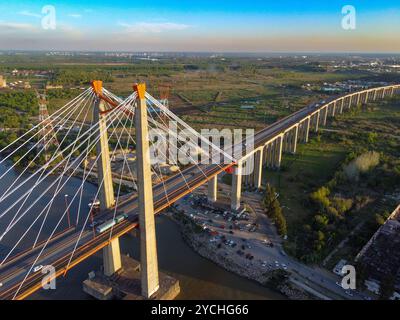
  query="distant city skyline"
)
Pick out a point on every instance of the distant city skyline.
point(203, 26)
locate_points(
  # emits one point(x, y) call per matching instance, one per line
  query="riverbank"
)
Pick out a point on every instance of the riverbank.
point(198, 241)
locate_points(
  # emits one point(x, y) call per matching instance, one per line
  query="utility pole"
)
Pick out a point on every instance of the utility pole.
point(46, 129)
point(68, 212)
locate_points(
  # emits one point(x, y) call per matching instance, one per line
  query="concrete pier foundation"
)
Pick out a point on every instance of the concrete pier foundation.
point(126, 284)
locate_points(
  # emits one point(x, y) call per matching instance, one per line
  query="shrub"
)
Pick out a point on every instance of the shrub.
point(361, 164)
point(342, 205)
point(320, 197)
point(372, 137)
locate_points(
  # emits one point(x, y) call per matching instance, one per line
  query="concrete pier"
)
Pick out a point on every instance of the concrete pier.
point(278, 152)
point(236, 187)
point(212, 189)
point(325, 116)
point(306, 130)
point(293, 143)
point(126, 284)
point(258, 168)
point(316, 121)
point(112, 258)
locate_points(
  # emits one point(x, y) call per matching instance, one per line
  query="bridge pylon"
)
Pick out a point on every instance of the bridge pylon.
point(111, 253)
point(148, 245)
point(104, 173)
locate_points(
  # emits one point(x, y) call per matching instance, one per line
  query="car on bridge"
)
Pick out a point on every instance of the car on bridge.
point(37, 268)
point(110, 223)
point(95, 203)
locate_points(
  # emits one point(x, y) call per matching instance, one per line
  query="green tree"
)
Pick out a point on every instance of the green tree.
point(320, 197)
point(379, 219)
point(372, 137)
point(387, 287)
point(274, 211)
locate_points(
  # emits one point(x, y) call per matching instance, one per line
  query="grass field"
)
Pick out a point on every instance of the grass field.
point(312, 166)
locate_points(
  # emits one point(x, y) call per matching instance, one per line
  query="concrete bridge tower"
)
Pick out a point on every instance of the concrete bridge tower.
point(111, 253)
point(148, 246)
point(104, 173)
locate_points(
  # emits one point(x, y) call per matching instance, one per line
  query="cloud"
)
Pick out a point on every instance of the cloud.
point(14, 26)
point(29, 14)
point(21, 31)
point(153, 27)
point(75, 15)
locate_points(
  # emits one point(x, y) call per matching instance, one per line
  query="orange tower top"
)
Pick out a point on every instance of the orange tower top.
point(140, 88)
point(97, 86)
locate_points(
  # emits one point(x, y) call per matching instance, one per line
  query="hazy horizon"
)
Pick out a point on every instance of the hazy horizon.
point(286, 26)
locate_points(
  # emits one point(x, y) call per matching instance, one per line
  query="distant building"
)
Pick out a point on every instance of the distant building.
point(50, 86)
point(381, 255)
point(3, 82)
point(247, 107)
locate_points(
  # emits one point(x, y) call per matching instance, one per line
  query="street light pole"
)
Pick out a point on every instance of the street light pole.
point(68, 214)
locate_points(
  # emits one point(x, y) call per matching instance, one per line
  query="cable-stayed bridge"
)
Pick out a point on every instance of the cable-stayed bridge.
point(35, 231)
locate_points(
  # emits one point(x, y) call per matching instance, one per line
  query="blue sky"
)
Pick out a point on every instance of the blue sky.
point(189, 25)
